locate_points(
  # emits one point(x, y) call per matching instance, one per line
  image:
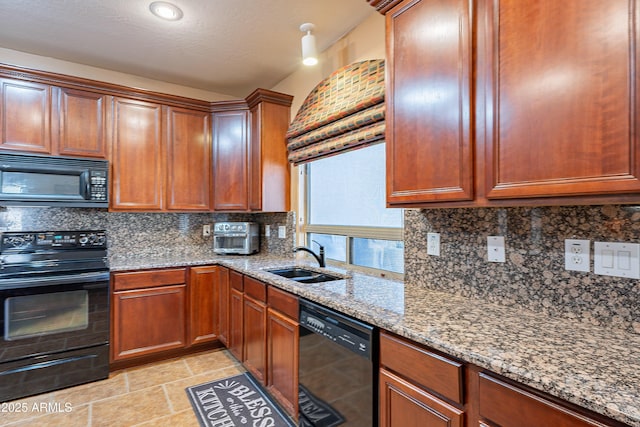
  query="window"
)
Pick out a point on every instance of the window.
point(346, 213)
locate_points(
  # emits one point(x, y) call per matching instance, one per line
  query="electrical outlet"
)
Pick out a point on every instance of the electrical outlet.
point(206, 230)
point(433, 244)
point(282, 231)
point(267, 231)
point(495, 249)
point(576, 255)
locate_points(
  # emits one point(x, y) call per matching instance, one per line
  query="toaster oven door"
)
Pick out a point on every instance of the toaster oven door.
point(231, 243)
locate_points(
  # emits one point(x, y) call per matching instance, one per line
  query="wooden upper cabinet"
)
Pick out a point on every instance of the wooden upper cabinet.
point(82, 124)
point(269, 172)
point(230, 160)
point(559, 83)
point(428, 119)
point(188, 159)
point(137, 156)
point(25, 116)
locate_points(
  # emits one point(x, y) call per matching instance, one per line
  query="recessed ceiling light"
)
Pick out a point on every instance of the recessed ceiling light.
point(165, 10)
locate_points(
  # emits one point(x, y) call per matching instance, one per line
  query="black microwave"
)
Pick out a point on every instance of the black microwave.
point(38, 180)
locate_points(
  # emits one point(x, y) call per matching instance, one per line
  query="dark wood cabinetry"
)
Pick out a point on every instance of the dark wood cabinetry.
point(231, 159)
point(255, 328)
point(137, 156)
point(282, 348)
point(522, 104)
point(188, 159)
point(204, 302)
point(236, 316)
point(82, 126)
point(269, 172)
point(149, 313)
point(429, 121)
point(25, 116)
point(224, 295)
point(418, 387)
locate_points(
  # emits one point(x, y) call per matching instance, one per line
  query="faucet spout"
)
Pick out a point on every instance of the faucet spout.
point(319, 256)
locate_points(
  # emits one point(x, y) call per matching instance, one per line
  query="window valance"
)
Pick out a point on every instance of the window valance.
point(343, 112)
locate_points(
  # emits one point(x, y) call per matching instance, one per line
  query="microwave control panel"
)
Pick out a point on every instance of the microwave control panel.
point(98, 185)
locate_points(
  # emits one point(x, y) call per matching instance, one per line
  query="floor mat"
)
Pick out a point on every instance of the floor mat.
point(235, 401)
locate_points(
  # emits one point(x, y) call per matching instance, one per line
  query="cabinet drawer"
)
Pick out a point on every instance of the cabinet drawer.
point(506, 405)
point(148, 279)
point(255, 289)
point(236, 281)
point(283, 301)
point(429, 370)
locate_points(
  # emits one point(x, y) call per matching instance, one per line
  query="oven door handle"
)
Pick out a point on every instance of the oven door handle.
point(46, 364)
point(32, 282)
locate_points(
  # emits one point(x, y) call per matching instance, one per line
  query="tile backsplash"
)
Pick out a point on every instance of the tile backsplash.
point(533, 275)
point(148, 234)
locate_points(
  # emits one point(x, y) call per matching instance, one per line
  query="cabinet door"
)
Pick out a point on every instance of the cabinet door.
point(25, 116)
point(560, 92)
point(236, 320)
point(148, 321)
point(137, 156)
point(429, 134)
point(224, 290)
point(230, 161)
point(282, 359)
point(402, 404)
point(204, 295)
point(255, 338)
point(188, 160)
point(82, 123)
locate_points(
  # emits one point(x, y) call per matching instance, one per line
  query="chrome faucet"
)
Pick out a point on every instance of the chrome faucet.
point(319, 256)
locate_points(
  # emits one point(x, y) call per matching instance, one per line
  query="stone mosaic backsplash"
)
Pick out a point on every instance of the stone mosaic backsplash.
point(533, 276)
point(149, 234)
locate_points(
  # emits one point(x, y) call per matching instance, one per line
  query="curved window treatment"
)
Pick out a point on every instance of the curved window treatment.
point(343, 112)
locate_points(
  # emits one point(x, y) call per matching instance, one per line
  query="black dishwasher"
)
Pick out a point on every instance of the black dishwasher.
point(337, 369)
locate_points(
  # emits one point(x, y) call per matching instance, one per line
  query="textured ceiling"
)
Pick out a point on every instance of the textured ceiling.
point(225, 46)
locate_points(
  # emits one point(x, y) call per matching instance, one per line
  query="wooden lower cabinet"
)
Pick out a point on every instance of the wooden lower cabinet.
point(403, 404)
point(224, 295)
point(236, 292)
point(282, 348)
point(254, 327)
point(204, 294)
point(147, 321)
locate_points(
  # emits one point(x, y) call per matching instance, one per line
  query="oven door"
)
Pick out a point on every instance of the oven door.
point(44, 315)
point(231, 243)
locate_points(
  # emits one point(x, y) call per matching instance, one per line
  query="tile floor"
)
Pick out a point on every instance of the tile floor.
point(149, 395)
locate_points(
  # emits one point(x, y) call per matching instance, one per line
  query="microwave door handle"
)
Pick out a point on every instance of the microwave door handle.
point(85, 184)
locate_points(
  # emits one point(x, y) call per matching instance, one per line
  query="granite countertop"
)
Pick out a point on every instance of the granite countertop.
point(591, 366)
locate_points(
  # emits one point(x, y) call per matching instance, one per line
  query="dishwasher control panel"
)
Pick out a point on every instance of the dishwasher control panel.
point(345, 331)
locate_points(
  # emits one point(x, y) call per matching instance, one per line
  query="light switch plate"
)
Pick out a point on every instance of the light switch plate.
point(617, 259)
point(433, 244)
point(495, 249)
point(267, 230)
point(282, 231)
point(576, 255)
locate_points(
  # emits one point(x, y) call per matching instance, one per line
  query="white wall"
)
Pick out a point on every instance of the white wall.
point(366, 41)
point(43, 63)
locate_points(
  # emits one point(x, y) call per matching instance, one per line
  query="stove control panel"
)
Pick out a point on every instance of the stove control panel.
point(40, 240)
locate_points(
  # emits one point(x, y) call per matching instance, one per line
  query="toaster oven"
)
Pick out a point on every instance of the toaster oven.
point(241, 238)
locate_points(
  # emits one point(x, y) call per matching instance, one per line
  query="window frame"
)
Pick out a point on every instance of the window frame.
point(349, 232)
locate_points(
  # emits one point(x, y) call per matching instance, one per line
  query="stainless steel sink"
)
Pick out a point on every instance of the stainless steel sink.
point(302, 275)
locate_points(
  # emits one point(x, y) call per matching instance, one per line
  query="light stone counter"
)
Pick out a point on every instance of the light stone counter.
point(594, 367)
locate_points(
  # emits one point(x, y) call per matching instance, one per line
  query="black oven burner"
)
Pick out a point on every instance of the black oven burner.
point(54, 311)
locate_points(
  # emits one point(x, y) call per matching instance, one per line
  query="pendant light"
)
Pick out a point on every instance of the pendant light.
point(309, 50)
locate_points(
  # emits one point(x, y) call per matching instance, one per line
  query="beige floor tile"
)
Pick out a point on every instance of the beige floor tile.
point(130, 409)
point(115, 385)
point(210, 361)
point(182, 419)
point(156, 374)
point(176, 389)
point(76, 417)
